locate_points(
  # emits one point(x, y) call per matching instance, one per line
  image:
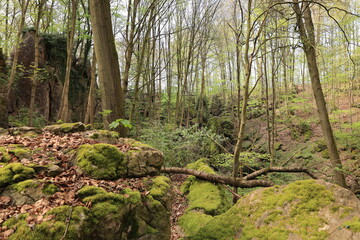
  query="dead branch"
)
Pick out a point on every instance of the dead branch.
point(278, 169)
point(235, 182)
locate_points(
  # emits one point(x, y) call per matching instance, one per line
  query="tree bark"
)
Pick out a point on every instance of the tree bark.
point(307, 35)
point(109, 72)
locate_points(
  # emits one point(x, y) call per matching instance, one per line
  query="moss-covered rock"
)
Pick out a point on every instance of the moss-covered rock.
point(65, 128)
point(28, 191)
point(300, 210)
point(204, 195)
point(13, 173)
point(142, 159)
point(104, 136)
point(4, 155)
point(205, 200)
point(101, 161)
point(24, 131)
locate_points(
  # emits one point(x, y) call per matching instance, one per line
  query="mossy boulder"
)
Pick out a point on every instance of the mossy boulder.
point(203, 195)
point(24, 130)
point(142, 159)
point(65, 128)
point(151, 219)
point(101, 161)
point(13, 173)
point(305, 209)
point(28, 191)
point(124, 215)
point(205, 200)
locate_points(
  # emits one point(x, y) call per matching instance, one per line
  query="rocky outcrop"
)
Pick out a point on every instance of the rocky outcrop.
point(305, 209)
point(105, 161)
point(125, 215)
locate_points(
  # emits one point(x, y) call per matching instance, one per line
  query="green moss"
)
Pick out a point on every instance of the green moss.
point(108, 133)
point(21, 152)
point(4, 155)
point(14, 172)
point(21, 186)
point(50, 189)
point(104, 209)
point(160, 185)
point(97, 195)
point(132, 196)
point(206, 196)
point(90, 191)
point(192, 221)
point(353, 225)
point(101, 161)
point(302, 199)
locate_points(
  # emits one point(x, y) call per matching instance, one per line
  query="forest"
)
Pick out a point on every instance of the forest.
point(179, 119)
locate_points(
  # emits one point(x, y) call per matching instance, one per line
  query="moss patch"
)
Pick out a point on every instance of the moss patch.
point(192, 221)
point(101, 161)
point(353, 225)
point(270, 212)
point(4, 155)
point(50, 189)
point(21, 186)
point(14, 172)
point(160, 185)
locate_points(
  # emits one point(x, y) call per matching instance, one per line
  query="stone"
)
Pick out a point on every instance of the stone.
point(65, 128)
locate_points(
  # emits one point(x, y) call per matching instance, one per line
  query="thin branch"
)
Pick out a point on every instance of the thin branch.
point(279, 169)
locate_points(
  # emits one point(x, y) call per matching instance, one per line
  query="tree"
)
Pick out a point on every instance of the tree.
point(34, 81)
point(307, 34)
point(64, 107)
point(109, 71)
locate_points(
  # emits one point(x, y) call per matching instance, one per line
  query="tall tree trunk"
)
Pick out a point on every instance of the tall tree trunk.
point(89, 114)
point(36, 62)
point(307, 34)
point(109, 72)
point(64, 106)
point(4, 121)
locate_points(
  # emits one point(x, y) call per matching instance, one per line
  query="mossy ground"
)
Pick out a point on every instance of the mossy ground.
point(101, 161)
point(266, 217)
point(13, 173)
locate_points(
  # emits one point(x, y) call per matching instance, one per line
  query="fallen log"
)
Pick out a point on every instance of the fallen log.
point(235, 182)
point(278, 169)
point(246, 182)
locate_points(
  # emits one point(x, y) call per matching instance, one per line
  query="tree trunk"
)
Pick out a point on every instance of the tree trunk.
point(64, 107)
point(109, 72)
point(306, 30)
point(36, 62)
point(89, 114)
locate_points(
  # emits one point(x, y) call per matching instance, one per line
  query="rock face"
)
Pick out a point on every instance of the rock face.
point(305, 209)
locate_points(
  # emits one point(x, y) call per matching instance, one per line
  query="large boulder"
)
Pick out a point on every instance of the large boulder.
point(305, 209)
point(125, 215)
